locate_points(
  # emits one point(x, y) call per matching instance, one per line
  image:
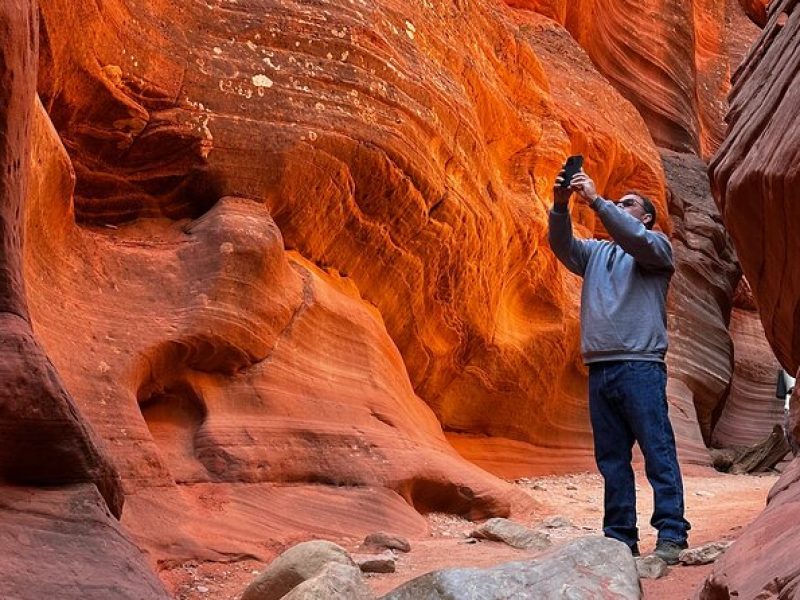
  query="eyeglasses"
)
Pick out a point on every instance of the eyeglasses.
point(629, 202)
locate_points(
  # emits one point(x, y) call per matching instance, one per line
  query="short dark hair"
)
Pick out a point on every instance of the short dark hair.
point(647, 205)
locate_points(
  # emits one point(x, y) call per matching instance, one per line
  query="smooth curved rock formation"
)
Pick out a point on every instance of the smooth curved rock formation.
point(193, 378)
point(751, 409)
point(305, 256)
point(754, 178)
point(701, 294)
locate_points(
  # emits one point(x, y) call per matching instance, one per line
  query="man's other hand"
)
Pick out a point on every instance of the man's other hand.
point(585, 187)
point(561, 194)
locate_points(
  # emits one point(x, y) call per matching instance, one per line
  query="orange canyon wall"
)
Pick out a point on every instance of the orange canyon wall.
point(292, 255)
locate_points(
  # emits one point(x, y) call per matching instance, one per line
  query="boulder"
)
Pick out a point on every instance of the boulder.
point(591, 567)
point(335, 580)
point(299, 563)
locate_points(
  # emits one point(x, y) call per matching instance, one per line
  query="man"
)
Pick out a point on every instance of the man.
point(623, 342)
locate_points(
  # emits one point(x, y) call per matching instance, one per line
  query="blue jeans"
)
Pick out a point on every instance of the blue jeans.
point(627, 403)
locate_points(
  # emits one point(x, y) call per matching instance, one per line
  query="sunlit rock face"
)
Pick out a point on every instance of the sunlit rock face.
point(419, 175)
point(754, 178)
point(751, 409)
point(671, 59)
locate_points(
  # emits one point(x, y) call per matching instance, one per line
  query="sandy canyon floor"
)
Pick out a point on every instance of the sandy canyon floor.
point(718, 506)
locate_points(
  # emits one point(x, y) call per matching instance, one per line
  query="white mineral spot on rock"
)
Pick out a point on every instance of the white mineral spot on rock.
point(319, 106)
point(312, 135)
point(217, 50)
point(103, 367)
point(261, 80)
point(274, 67)
point(251, 45)
point(330, 56)
point(226, 248)
point(345, 54)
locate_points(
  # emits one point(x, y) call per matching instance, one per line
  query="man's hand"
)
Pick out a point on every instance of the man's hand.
point(561, 194)
point(582, 184)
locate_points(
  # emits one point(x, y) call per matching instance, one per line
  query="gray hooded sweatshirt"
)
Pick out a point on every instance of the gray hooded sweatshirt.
point(625, 282)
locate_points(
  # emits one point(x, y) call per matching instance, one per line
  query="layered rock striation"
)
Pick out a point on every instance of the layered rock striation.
point(290, 258)
point(700, 357)
point(751, 409)
point(672, 59)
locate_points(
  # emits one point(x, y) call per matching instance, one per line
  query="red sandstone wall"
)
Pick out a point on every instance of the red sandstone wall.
point(755, 178)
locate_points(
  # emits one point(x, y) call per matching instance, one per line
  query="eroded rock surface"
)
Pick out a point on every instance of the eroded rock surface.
point(44, 440)
point(671, 59)
point(195, 380)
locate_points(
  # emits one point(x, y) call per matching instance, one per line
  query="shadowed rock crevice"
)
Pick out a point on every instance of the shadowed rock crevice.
point(440, 495)
point(174, 416)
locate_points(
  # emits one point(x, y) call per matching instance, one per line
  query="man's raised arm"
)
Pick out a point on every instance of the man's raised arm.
point(650, 249)
point(572, 252)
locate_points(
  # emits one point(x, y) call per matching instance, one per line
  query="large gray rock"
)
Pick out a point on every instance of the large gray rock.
point(512, 533)
point(586, 568)
point(334, 581)
point(296, 565)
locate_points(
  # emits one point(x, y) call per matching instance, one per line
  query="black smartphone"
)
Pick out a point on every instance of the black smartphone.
point(571, 168)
